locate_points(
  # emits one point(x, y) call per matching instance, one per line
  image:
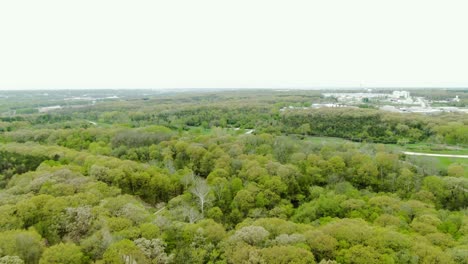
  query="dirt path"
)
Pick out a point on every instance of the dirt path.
point(435, 155)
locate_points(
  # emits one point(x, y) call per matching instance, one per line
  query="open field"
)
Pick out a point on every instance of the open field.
point(327, 140)
point(444, 162)
point(445, 155)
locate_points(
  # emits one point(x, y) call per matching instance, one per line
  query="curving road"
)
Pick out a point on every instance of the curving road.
point(435, 155)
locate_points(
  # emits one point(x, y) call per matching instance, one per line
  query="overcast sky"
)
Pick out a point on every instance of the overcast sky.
point(241, 43)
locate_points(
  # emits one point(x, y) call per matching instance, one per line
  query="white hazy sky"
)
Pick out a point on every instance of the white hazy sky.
point(241, 43)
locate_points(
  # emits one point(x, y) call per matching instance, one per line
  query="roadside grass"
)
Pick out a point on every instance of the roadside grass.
point(436, 148)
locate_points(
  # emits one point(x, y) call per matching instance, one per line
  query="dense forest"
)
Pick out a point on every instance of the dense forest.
point(230, 177)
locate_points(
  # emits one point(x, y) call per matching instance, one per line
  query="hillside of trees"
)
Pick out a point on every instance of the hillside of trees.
point(229, 178)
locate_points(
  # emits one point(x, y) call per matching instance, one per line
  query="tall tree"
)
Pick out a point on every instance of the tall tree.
point(201, 190)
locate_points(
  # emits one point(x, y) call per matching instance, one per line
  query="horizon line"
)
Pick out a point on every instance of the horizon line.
point(244, 88)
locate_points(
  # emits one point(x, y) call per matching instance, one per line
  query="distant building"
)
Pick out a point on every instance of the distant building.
point(356, 97)
point(401, 94)
point(456, 99)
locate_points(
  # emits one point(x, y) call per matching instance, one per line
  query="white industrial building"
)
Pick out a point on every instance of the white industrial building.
point(401, 94)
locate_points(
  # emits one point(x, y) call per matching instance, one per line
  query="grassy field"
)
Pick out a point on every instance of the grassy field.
point(443, 162)
point(326, 140)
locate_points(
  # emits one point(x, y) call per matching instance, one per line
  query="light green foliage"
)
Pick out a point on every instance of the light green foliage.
point(125, 251)
point(322, 245)
point(287, 254)
point(28, 245)
point(455, 170)
point(63, 254)
point(360, 254)
point(149, 230)
point(11, 260)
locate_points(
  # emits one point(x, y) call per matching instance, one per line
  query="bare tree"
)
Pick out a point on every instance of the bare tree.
point(169, 163)
point(187, 179)
point(201, 190)
point(190, 213)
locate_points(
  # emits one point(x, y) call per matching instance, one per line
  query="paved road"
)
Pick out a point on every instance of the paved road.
point(435, 155)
